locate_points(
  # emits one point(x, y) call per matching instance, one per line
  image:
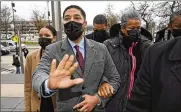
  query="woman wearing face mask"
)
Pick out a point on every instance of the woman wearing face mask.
point(127, 51)
point(32, 100)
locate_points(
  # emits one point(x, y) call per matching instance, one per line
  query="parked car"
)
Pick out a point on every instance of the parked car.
point(12, 45)
point(5, 50)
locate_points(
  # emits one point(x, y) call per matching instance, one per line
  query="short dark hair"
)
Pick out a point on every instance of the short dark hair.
point(172, 17)
point(76, 7)
point(100, 19)
point(52, 29)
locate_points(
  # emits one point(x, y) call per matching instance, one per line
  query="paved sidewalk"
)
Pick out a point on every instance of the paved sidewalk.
point(12, 104)
point(12, 92)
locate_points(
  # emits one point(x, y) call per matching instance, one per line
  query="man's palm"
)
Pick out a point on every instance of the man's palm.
point(61, 77)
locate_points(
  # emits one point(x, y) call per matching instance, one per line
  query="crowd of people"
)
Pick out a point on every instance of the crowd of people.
point(120, 70)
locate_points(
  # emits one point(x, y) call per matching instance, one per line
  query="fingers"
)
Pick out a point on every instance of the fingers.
point(99, 93)
point(53, 65)
point(105, 92)
point(63, 62)
point(69, 62)
point(108, 89)
point(112, 90)
point(86, 110)
point(72, 69)
point(79, 105)
point(82, 109)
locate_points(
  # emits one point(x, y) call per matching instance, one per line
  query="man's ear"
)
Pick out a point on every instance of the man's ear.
point(85, 24)
point(107, 27)
point(169, 26)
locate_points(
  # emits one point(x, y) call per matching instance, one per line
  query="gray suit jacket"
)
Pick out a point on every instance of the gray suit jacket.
point(98, 64)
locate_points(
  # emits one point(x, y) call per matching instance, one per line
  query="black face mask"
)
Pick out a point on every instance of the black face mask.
point(176, 32)
point(100, 35)
point(73, 30)
point(43, 42)
point(134, 35)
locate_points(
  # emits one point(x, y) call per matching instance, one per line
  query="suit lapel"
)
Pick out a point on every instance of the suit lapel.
point(67, 49)
point(89, 57)
point(177, 70)
point(175, 56)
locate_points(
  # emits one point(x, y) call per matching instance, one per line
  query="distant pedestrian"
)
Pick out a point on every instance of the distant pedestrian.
point(25, 51)
point(16, 63)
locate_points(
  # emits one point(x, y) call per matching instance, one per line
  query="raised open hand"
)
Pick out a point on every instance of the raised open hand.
point(60, 77)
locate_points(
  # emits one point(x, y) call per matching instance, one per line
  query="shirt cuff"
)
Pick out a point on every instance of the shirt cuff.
point(47, 90)
point(99, 100)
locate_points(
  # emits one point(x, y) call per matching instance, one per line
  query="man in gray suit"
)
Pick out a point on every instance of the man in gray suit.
point(94, 64)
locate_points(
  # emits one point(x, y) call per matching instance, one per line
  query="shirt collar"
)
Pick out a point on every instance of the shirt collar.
point(81, 44)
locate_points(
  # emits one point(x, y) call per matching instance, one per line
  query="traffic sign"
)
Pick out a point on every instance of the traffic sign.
point(15, 38)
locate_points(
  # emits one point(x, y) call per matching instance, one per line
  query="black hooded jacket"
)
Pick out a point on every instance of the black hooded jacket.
point(123, 61)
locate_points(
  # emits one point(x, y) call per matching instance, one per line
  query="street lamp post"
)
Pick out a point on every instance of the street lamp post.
point(53, 13)
point(13, 5)
point(48, 13)
point(58, 19)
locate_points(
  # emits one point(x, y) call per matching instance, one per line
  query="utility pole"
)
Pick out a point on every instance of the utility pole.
point(0, 26)
point(20, 54)
point(53, 13)
point(13, 5)
point(58, 19)
point(48, 13)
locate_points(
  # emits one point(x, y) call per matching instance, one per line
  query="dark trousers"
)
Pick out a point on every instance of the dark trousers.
point(46, 105)
point(17, 70)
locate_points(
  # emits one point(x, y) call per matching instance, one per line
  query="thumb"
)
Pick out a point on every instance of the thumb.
point(53, 66)
point(76, 82)
point(84, 95)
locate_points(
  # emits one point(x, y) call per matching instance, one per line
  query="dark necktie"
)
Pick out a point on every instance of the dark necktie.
point(79, 58)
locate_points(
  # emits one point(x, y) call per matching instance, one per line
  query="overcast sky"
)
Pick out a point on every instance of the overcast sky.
point(92, 8)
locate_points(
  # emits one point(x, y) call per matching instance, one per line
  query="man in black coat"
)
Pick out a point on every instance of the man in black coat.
point(16, 63)
point(158, 86)
point(163, 35)
point(100, 26)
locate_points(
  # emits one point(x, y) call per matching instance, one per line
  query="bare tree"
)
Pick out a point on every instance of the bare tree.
point(6, 18)
point(165, 9)
point(20, 23)
point(39, 19)
point(145, 10)
point(111, 16)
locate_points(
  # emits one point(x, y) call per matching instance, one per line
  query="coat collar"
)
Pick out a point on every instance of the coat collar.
point(175, 54)
point(89, 54)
